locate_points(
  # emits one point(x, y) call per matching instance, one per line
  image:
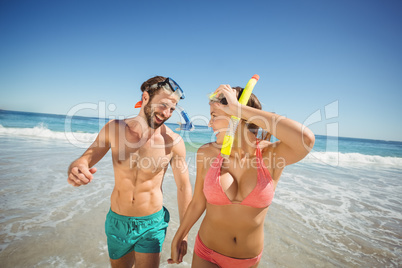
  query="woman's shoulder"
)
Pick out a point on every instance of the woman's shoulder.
point(266, 146)
point(209, 149)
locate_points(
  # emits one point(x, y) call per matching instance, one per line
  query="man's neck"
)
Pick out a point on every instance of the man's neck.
point(143, 129)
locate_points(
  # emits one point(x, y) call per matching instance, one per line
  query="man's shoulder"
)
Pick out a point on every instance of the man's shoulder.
point(114, 125)
point(171, 133)
point(115, 122)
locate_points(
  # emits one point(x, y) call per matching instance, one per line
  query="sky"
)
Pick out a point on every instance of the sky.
point(335, 66)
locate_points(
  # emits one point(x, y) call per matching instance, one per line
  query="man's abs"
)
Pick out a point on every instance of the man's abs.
point(137, 200)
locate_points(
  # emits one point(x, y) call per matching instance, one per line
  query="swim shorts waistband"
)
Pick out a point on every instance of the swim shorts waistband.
point(152, 216)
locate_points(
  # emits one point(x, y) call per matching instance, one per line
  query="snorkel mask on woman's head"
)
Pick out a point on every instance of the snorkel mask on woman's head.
point(213, 98)
point(221, 98)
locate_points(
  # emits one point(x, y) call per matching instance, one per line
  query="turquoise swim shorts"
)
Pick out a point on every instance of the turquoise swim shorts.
point(141, 234)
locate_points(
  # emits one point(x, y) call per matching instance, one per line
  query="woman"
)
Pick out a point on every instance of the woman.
point(237, 191)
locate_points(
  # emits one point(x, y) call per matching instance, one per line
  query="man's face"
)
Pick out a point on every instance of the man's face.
point(160, 108)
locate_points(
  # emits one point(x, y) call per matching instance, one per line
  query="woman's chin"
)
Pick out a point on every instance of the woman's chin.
point(219, 138)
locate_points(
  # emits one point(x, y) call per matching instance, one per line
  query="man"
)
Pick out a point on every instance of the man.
point(142, 148)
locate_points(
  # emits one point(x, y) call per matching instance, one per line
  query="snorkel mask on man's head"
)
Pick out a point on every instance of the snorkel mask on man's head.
point(170, 85)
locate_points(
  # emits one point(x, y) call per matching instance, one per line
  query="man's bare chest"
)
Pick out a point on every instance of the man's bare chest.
point(148, 157)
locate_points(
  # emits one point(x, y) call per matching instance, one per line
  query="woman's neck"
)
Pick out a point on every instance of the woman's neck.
point(244, 141)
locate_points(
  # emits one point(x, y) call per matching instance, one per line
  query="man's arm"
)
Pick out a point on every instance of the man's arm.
point(180, 172)
point(80, 171)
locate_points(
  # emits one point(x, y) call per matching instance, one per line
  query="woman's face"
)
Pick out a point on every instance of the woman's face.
point(219, 121)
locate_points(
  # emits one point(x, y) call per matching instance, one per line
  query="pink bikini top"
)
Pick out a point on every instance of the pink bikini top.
point(260, 197)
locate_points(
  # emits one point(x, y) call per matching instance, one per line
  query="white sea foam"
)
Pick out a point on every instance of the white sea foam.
point(79, 139)
point(347, 159)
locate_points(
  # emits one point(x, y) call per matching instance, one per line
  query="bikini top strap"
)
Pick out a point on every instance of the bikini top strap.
point(217, 163)
point(258, 150)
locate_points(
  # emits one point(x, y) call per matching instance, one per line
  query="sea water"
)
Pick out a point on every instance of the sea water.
point(341, 206)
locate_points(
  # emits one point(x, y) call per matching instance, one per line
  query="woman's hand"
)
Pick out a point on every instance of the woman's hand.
point(230, 94)
point(178, 251)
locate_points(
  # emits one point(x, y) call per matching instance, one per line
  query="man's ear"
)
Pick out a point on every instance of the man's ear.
point(145, 97)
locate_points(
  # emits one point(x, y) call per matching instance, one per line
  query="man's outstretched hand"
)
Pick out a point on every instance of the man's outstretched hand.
point(80, 175)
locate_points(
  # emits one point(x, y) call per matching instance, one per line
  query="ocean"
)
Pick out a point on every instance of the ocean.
point(341, 206)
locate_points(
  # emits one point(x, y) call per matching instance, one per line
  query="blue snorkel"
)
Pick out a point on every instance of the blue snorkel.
point(188, 126)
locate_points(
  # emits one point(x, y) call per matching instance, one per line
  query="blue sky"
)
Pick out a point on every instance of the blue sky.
point(343, 55)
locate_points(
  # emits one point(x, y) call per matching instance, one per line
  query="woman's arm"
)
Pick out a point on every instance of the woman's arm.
point(194, 210)
point(295, 139)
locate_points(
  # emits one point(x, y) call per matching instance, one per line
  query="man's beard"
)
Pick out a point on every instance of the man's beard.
point(149, 115)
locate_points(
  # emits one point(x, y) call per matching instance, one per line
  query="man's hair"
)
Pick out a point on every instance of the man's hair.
point(154, 80)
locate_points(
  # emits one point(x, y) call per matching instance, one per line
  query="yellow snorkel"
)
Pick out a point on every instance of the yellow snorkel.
point(229, 137)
